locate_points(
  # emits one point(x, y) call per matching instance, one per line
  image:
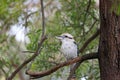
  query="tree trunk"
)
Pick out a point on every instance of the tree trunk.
point(109, 46)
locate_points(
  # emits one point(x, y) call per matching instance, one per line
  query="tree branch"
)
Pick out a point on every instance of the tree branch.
point(89, 40)
point(43, 18)
point(91, 27)
point(79, 59)
point(28, 60)
point(43, 38)
point(87, 10)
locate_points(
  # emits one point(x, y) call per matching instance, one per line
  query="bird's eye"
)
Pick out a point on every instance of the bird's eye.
point(66, 36)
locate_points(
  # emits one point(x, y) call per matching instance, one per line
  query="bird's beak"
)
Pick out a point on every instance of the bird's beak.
point(59, 37)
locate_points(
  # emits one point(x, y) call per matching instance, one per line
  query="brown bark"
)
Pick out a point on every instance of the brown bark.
point(80, 59)
point(109, 47)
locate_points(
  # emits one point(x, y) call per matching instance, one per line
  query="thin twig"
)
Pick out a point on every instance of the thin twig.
point(88, 41)
point(4, 72)
point(28, 51)
point(43, 21)
point(28, 15)
point(87, 10)
point(91, 27)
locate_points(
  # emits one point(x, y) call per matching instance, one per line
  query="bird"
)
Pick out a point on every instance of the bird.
point(69, 47)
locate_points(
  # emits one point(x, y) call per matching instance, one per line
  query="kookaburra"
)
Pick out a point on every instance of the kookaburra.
point(68, 47)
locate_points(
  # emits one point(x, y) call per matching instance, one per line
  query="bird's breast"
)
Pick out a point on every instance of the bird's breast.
point(69, 50)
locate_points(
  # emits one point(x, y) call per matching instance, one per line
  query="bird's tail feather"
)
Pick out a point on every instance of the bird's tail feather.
point(71, 69)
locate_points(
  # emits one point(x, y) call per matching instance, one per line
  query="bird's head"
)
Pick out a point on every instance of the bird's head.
point(65, 37)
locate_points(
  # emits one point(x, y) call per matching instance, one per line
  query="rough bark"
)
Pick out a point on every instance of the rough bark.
point(109, 47)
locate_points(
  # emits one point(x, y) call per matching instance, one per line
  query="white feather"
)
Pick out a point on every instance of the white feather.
point(69, 49)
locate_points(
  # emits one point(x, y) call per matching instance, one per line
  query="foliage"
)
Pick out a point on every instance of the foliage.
point(73, 17)
point(116, 7)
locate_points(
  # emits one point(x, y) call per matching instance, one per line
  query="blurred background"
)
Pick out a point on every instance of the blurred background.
point(20, 31)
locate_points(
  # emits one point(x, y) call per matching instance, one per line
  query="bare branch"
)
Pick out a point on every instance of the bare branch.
point(79, 59)
point(28, 60)
point(88, 41)
point(43, 38)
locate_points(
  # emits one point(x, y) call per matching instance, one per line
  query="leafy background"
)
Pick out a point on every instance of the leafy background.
point(77, 17)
